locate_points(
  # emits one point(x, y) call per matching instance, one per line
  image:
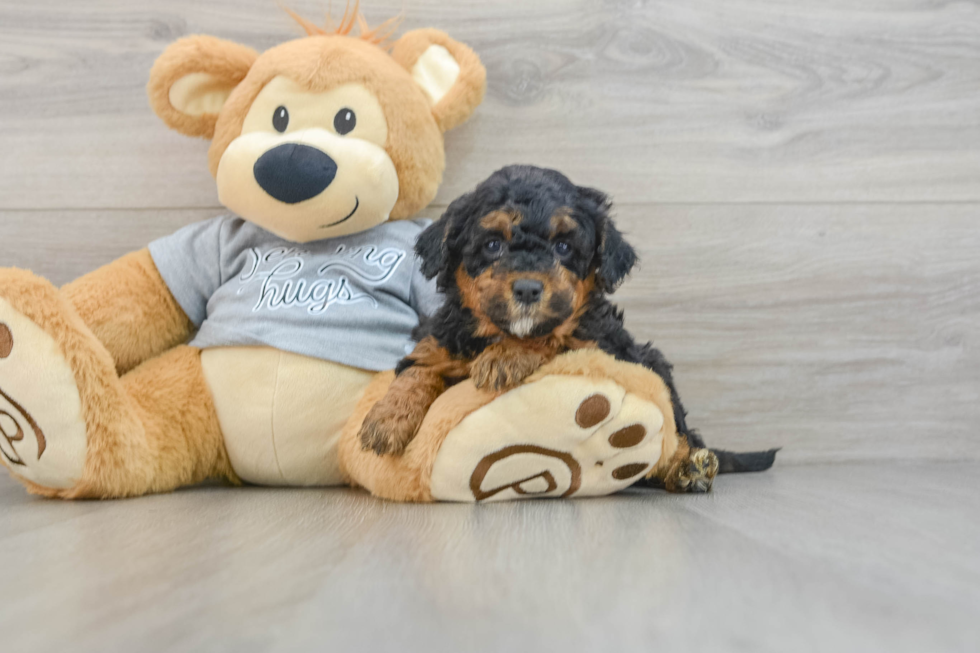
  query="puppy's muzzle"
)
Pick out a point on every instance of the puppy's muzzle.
point(527, 291)
point(293, 172)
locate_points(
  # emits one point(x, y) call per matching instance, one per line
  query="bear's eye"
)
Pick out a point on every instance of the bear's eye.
point(562, 249)
point(280, 119)
point(345, 121)
point(492, 247)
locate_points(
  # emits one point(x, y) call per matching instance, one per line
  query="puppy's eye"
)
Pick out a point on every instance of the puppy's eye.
point(562, 249)
point(492, 247)
point(345, 121)
point(280, 119)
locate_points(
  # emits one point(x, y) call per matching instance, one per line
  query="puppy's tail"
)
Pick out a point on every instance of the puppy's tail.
point(731, 462)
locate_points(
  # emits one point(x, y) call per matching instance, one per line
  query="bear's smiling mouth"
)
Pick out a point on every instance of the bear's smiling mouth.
point(357, 204)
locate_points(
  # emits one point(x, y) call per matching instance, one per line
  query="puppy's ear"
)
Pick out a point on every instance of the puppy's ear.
point(615, 257)
point(431, 248)
point(191, 80)
point(435, 245)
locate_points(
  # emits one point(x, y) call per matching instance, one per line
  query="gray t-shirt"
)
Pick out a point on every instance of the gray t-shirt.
point(352, 300)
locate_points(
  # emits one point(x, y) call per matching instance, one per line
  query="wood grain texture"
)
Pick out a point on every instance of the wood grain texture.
point(869, 557)
point(63, 245)
point(838, 332)
point(700, 101)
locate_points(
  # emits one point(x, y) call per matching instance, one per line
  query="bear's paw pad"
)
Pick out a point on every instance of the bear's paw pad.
point(560, 436)
point(42, 433)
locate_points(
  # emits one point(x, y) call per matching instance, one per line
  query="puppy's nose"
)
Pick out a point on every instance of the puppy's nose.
point(527, 291)
point(292, 172)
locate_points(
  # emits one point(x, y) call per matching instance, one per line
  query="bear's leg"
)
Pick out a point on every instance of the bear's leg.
point(71, 428)
point(584, 424)
point(181, 441)
point(129, 308)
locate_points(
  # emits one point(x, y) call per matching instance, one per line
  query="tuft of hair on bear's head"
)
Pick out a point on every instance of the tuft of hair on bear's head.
point(378, 36)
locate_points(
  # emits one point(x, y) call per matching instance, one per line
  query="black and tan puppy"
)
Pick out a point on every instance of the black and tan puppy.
point(526, 261)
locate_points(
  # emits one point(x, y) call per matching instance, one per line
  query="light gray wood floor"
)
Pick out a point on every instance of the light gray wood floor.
point(802, 179)
point(846, 557)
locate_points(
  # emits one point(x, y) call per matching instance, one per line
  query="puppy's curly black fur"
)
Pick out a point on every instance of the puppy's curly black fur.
point(526, 261)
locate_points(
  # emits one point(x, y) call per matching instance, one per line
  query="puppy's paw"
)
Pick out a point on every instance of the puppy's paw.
point(694, 475)
point(502, 368)
point(386, 433)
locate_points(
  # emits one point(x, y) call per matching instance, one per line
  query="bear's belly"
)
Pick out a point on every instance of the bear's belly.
point(282, 414)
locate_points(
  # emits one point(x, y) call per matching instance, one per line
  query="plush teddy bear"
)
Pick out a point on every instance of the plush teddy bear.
point(249, 347)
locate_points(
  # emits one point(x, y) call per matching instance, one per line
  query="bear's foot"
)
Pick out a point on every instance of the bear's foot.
point(42, 427)
point(559, 436)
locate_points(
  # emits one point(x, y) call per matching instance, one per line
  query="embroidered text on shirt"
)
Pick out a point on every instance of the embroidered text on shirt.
point(278, 269)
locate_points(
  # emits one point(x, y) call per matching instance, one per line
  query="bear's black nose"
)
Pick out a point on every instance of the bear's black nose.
point(527, 291)
point(292, 172)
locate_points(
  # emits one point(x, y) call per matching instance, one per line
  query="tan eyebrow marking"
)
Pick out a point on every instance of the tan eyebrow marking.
point(562, 222)
point(502, 221)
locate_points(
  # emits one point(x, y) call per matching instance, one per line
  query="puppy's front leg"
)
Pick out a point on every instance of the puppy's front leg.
point(505, 364)
point(393, 422)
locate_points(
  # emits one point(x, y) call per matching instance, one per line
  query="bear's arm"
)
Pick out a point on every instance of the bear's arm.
point(130, 310)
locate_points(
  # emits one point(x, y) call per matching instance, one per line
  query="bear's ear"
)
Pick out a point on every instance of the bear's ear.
point(191, 80)
point(448, 71)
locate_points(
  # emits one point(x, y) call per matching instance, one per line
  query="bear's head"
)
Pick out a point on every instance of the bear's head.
point(325, 135)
